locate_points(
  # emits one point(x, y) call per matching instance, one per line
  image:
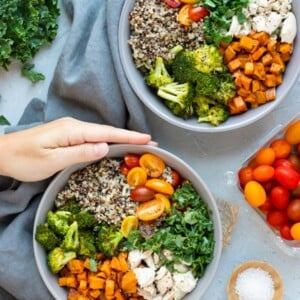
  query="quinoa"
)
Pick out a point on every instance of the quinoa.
point(154, 30)
point(101, 189)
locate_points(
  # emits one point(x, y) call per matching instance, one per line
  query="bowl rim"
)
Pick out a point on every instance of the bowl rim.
point(116, 150)
point(143, 92)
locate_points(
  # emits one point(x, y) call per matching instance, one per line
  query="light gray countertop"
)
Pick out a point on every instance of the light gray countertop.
point(216, 157)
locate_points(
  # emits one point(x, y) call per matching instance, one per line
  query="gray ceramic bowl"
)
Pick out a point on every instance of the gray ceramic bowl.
point(150, 100)
point(119, 151)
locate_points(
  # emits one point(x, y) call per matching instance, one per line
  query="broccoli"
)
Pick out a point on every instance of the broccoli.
point(58, 221)
point(207, 84)
point(71, 206)
point(85, 220)
point(71, 239)
point(215, 115)
point(108, 239)
point(58, 258)
point(46, 237)
point(158, 75)
point(87, 244)
point(178, 98)
point(226, 89)
point(202, 104)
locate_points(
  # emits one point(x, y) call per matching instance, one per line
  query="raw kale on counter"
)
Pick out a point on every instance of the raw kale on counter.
point(26, 26)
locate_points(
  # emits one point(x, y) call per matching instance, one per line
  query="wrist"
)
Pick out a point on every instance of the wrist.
point(4, 156)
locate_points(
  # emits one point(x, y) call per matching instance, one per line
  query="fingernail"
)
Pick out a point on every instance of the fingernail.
point(152, 143)
point(101, 148)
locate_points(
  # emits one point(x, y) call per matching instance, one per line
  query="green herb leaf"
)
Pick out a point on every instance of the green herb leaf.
point(32, 75)
point(3, 121)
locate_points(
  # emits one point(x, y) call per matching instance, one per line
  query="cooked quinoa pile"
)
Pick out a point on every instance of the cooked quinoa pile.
point(102, 190)
point(155, 30)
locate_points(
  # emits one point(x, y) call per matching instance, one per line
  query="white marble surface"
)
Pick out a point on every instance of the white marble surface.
point(215, 157)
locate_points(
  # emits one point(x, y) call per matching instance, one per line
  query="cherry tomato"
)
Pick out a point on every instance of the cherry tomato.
point(263, 173)
point(277, 218)
point(285, 231)
point(123, 169)
point(295, 231)
point(265, 156)
point(160, 186)
point(281, 148)
point(152, 164)
point(129, 223)
point(150, 210)
point(176, 178)
point(136, 176)
point(165, 200)
point(131, 160)
point(189, 1)
point(197, 13)
point(141, 194)
point(280, 197)
point(267, 206)
point(293, 210)
point(283, 162)
point(173, 3)
point(298, 149)
point(292, 134)
point(295, 193)
point(245, 175)
point(183, 15)
point(287, 177)
point(268, 185)
point(295, 161)
point(254, 193)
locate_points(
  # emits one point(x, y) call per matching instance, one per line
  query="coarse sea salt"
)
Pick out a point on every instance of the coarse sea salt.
point(254, 284)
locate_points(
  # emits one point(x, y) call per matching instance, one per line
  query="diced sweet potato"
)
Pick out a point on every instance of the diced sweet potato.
point(229, 54)
point(249, 44)
point(234, 65)
point(258, 53)
point(270, 94)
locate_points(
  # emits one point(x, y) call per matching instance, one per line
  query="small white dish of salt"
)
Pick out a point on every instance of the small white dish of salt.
point(255, 280)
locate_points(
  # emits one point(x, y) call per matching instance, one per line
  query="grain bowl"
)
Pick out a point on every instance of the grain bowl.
point(133, 63)
point(58, 187)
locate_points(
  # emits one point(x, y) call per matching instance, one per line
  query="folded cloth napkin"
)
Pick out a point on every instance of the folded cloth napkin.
point(88, 84)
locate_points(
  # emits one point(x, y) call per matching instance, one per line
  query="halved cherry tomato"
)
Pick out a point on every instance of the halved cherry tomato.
point(160, 186)
point(287, 177)
point(183, 15)
point(165, 199)
point(197, 13)
point(131, 160)
point(141, 194)
point(150, 210)
point(136, 176)
point(129, 223)
point(124, 169)
point(254, 193)
point(173, 3)
point(152, 164)
point(245, 175)
point(176, 178)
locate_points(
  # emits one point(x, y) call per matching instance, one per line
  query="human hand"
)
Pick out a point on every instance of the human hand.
point(39, 152)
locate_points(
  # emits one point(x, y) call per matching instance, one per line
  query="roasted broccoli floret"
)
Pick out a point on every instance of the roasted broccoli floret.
point(71, 206)
point(207, 84)
point(108, 239)
point(215, 115)
point(158, 75)
point(202, 104)
point(47, 237)
point(87, 244)
point(226, 90)
point(58, 258)
point(71, 239)
point(59, 221)
point(85, 220)
point(178, 98)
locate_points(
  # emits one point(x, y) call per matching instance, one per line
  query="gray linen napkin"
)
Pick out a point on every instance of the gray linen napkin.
point(88, 84)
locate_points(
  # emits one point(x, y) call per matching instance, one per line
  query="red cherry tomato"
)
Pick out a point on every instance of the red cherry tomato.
point(173, 3)
point(176, 178)
point(245, 175)
point(267, 206)
point(280, 197)
point(287, 177)
point(283, 162)
point(124, 169)
point(277, 218)
point(141, 194)
point(132, 160)
point(197, 13)
point(285, 231)
point(293, 210)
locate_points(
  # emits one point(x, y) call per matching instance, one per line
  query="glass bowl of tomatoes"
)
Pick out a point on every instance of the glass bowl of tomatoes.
point(153, 184)
point(270, 182)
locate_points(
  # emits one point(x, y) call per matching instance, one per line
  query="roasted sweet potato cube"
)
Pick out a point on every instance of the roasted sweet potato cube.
point(237, 105)
point(270, 94)
point(277, 59)
point(246, 82)
point(234, 65)
point(262, 36)
point(276, 69)
point(96, 282)
point(250, 98)
point(285, 48)
point(256, 85)
point(258, 53)
point(235, 45)
point(272, 45)
point(279, 79)
point(267, 59)
point(249, 44)
point(243, 92)
point(259, 71)
point(286, 57)
point(69, 281)
point(270, 80)
point(244, 58)
point(229, 54)
point(260, 97)
point(249, 68)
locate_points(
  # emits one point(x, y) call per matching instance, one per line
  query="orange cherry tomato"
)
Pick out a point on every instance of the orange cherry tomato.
point(165, 200)
point(254, 193)
point(183, 15)
point(292, 133)
point(263, 173)
point(152, 164)
point(150, 210)
point(265, 156)
point(245, 175)
point(295, 231)
point(136, 176)
point(160, 186)
point(129, 223)
point(281, 148)
point(189, 1)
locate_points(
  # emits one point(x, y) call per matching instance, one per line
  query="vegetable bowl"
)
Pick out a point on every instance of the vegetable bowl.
point(135, 231)
point(229, 98)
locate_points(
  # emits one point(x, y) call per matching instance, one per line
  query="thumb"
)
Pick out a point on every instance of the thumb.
point(82, 153)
